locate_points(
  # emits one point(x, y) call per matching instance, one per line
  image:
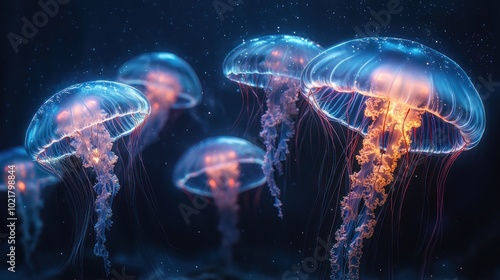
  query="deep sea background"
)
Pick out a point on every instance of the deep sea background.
point(89, 40)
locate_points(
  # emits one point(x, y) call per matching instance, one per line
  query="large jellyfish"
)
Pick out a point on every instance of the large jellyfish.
point(24, 181)
point(84, 120)
point(168, 82)
point(399, 95)
point(275, 64)
point(220, 168)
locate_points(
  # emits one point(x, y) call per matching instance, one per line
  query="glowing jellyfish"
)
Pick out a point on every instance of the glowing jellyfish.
point(221, 168)
point(398, 95)
point(24, 181)
point(83, 121)
point(275, 64)
point(167, 81)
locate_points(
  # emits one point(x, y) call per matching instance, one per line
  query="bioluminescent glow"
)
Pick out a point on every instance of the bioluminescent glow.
point(24, 181)
point(273, 63)
point(221, 168)
point(168, 82)
point(399, 95)
point(84, 120)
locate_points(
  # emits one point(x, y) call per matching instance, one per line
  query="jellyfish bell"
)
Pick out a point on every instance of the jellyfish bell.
point(398, 94)
point(214, 154)
point(423, 78)
point(168, 82)
point(162, 88)
point(260, 61)
point(24, 182)
point(221, 168)
point(29, 176)
point(84, 120)
point(163, 70)
point(273, 63)
point(117, 107)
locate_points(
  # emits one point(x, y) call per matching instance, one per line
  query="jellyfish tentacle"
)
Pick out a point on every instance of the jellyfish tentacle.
point(391, 128)
point(32, 205)
point(93, 145)
point(270, 134)
point(289, 111)
point(351, 204)
point(28, 201)
point(35, 206)
point(152, 126)
point(224, 185)
point(26, 228)
point(281, 108)
point(339, 251)
point(228, 220)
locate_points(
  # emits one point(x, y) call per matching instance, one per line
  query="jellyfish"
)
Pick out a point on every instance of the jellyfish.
point(399, 95)
point(275, 64)
point(84, 120)
point(24, 181)
point(221, 168)
point(167, 81)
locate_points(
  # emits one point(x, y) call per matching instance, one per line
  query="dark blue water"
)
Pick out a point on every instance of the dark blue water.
point(150, 238)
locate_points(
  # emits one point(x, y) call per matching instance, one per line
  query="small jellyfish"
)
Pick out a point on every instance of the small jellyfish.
point(402, 97)
point(221, 168)
point(275, 64)
point(84, 120)
point(167, 81)
point(24, 181)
